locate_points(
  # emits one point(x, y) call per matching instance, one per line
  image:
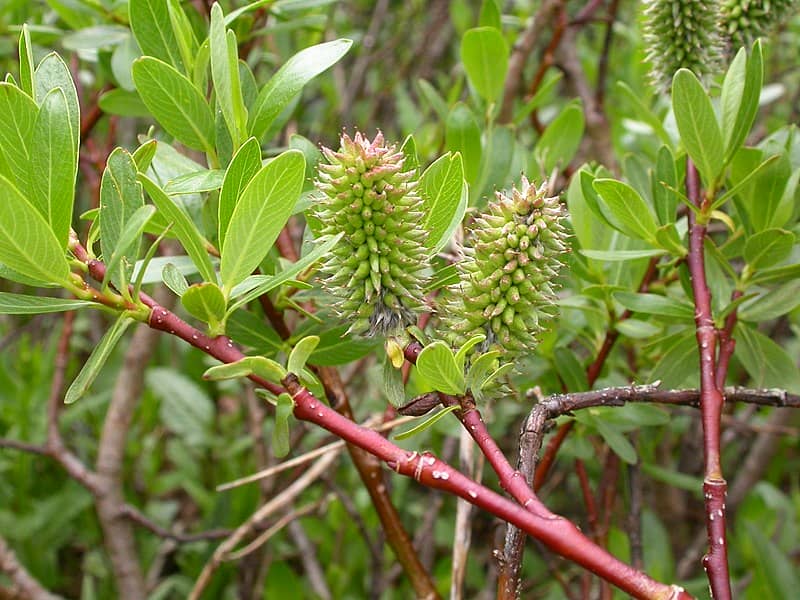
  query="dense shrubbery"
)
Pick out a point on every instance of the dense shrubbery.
point(562, 227)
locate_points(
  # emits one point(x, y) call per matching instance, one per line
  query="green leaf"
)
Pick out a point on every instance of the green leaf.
point(280, 432)
point(290, 79)
point(654, 304)
point(250, 330)
point(120, 198)
point(392, 380)
point(182, 28)
point(633, 216)
point(570, 370)
point(773, 304)
point(53, 165)
point(225, 73)
point(185, 407)
point(21, 304)
point(731, 101)
point(617, 441)
point(27, 244)
point(463, 135)
point(175, 102)
point(174, 279)
point(766, 205)
point(262, 211)
point(205, 301)
point(152, 27)
point(409, 150)
point(249, 365)
point(437, 364)
point(337, 348)
point(637, 329)
point(498, 155)
point(206, 180)
point(490, 15)
point(484, 52)
point(427, 423)
point(26, 67)
point(121, 60)
point(245, 164)
point(768, 248)
point(126, 252)
point(560, 140)
point(182, 226)
point(123, 103)
point(664, 178)
point(767, 363)
point(300, 353)
point(440, 188)
point(773, 574)
point(775, 275)
point(740, 104)
point(496, 374)
point(53, 73)
point(16, 131)
point(697, 124)
point(479, 368)
point(257, 285)
point(643, 112)
point(434, 98)
point(621, 255)
point(143, 156)
point(97, 359)
point(461, 355)
point(678, 360)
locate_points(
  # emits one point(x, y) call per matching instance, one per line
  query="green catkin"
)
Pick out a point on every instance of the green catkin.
point(377, 270)
point(682, 34)
point(745, 20)
point(511, 259)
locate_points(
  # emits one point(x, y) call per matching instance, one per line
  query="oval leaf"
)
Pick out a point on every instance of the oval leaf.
point(697, 124)
point(484, 52)
point(177, 104)
point(437, 364)
point(259, 216)
point(281, 89)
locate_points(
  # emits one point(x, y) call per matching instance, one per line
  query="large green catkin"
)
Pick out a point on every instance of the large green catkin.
point(682, 34)
point(746, 20)
point(511, 259)
point(377, 271)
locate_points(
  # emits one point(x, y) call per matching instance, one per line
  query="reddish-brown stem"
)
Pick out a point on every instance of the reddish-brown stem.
point(369, 469)
point(588, 498)
point(557, 533)
point(727, 344)
point(711, 400)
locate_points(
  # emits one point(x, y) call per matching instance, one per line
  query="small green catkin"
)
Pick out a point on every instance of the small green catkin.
point(377, 270)
point(746, 20)
point(682, 34)
point(511, 258)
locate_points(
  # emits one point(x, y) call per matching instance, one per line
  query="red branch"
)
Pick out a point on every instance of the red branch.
point(556, 532)
point(711, 399)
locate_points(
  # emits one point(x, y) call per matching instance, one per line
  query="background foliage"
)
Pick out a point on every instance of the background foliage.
point(579, 110)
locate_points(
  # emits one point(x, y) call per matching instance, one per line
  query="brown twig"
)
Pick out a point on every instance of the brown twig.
point(245, 529)
point(519, 56)
point(143, 520)
point(24, 584)
point(118, 531)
